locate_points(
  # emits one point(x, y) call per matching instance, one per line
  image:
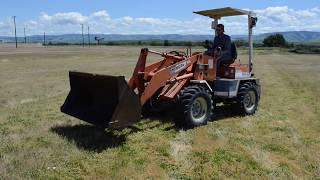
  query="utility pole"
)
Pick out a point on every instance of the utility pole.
point(25, 37)
point(15, 31)
point(89, 36)
point(82, 36)
point(44, 38)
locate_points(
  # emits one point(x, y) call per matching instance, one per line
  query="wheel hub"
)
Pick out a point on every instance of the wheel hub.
point(249, 100)
point(199, 108)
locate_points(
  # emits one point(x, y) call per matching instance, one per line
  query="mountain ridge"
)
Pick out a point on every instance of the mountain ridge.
point(291, 36)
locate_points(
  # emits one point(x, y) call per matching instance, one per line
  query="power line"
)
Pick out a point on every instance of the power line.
point(44, 38)
point(89, 36)
point(82, 36)
point(15, 30)
point(25, 37)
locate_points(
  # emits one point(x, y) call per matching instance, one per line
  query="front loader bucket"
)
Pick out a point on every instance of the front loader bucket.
point(105, 101)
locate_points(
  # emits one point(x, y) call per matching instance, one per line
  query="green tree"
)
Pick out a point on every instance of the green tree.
point(207, 44)
point(240, 43)
point(166, 43)
point(154, 43)
point(276, 40)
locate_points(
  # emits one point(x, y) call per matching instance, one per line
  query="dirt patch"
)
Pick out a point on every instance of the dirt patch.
point(180, 149)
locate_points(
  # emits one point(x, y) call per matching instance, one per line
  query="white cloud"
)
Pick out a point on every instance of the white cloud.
point(306, 14)
point(286, 19)
point(270, 11)
point(100, 16)
point(6, 27)
point(270, 19)
point(316, 9)
point(127, 18)
point(69, 18)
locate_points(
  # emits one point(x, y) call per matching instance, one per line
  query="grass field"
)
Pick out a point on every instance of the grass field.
point(38, 142)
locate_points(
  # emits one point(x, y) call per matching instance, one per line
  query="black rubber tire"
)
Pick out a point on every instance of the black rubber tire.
point(150, 109)
point(248, 93)
point(191, 98)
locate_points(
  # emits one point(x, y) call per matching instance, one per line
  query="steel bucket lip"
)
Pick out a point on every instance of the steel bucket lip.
point(117, 118)
point(81, 73)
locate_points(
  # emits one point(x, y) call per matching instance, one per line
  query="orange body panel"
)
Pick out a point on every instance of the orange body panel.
point(170, 75)
point(231, 71)
point(206, 68)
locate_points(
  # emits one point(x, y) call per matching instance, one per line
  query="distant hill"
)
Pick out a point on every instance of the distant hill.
point(295, 36)
point(77, 38)
point(291, 36)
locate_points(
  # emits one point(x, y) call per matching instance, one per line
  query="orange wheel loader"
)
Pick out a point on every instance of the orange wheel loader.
point(190, 85)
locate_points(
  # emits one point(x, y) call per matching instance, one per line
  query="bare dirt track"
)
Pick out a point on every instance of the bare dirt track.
point(37, 141)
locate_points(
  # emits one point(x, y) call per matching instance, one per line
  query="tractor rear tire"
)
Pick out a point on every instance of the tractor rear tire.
point(248, 98)
point(195, 106)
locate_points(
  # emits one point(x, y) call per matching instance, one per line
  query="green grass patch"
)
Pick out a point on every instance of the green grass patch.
point(37, 141)
point(275, 148)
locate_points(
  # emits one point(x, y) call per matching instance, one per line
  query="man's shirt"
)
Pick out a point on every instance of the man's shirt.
point(223, 41)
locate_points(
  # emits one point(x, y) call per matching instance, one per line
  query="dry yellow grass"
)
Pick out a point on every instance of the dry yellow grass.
point(37, 141)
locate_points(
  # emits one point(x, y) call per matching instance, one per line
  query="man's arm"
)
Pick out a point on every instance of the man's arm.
point(225, 54)
point(227, 45)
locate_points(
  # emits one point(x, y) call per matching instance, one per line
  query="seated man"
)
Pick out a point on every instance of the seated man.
point(221, 46)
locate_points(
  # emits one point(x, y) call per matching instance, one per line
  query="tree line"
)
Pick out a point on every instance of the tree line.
point(274, 40)
point(135, 43)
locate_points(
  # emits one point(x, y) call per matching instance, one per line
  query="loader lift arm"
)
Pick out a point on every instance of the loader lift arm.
point(160, 74)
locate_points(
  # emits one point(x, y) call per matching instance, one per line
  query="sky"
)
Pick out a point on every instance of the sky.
point(152, 16)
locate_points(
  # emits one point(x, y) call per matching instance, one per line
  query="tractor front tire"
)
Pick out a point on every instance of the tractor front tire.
point(248, 98)
point(195, 106)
